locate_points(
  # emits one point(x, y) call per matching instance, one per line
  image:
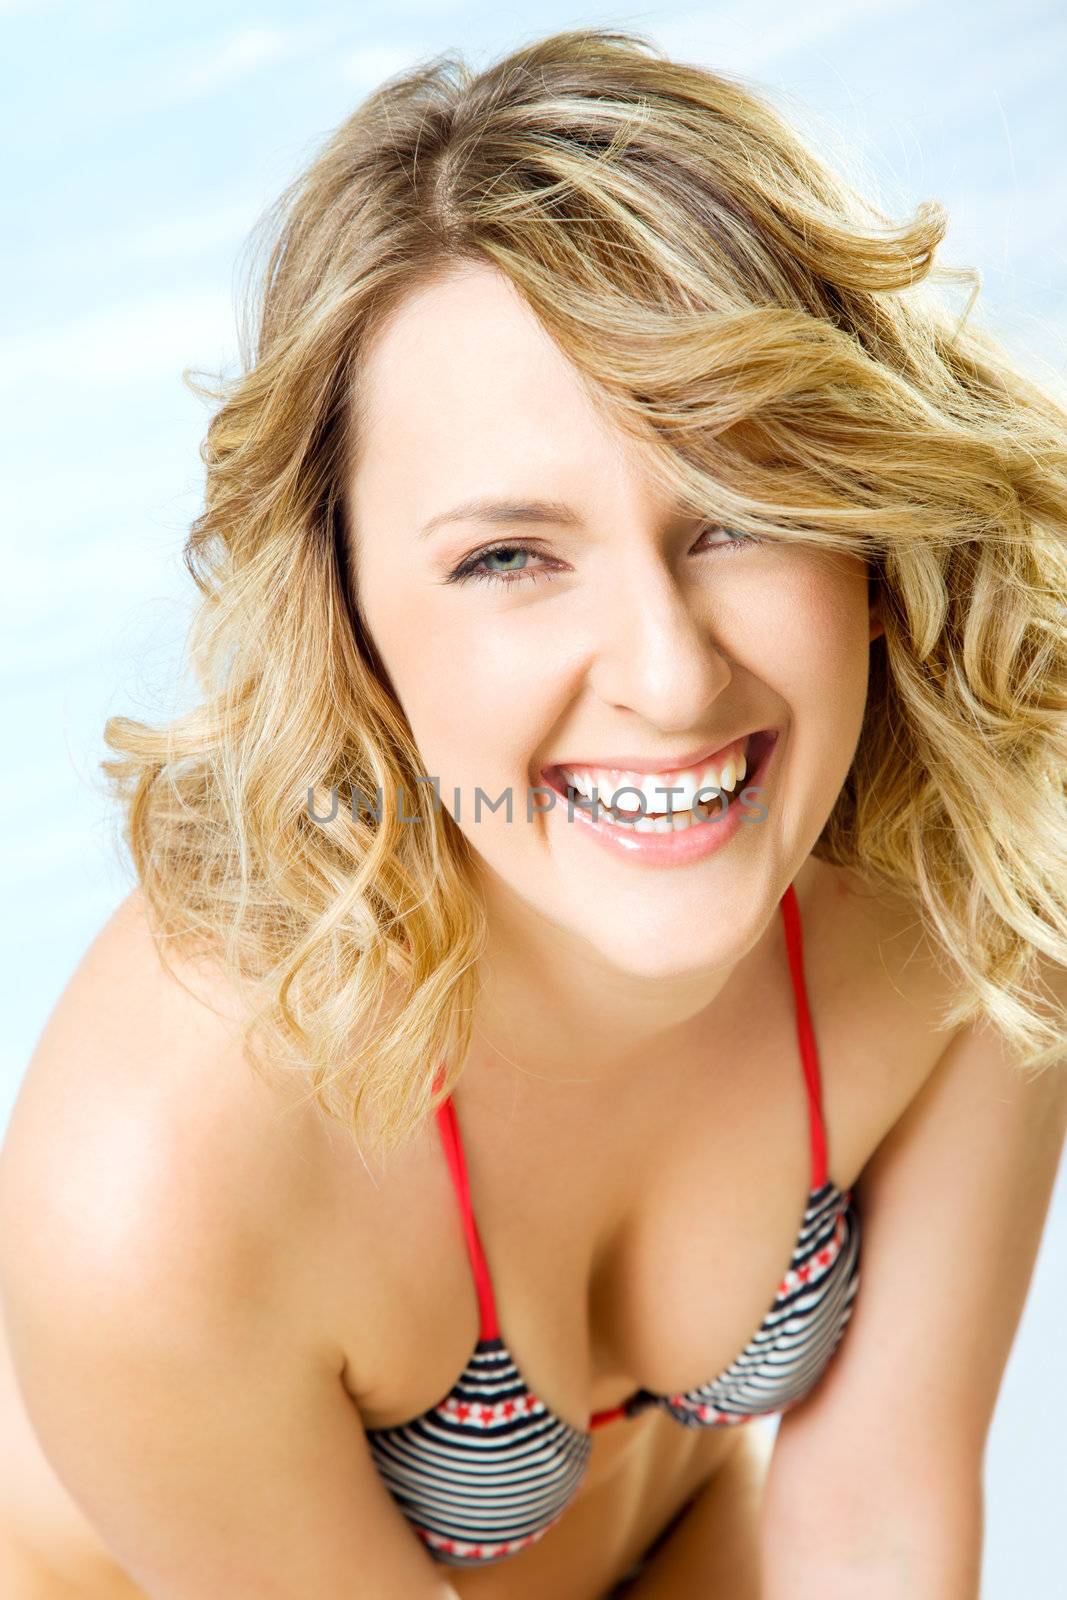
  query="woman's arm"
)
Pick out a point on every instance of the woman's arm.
point(875, 1485)
point(212, 1450)
point(164, 1333)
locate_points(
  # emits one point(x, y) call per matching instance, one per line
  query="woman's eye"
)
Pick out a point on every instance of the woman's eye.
point(509, 563)
point(735, 538)
point(512, 568)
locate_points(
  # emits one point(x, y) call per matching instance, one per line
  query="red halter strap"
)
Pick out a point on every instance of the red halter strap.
point(805, 1036)
point(457, 1165)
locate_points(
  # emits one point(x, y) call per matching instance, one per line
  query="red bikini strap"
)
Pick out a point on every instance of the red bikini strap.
point(805, 1035)
point(457, 1166)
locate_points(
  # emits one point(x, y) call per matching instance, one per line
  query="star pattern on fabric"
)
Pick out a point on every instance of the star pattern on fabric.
point(485, 1414)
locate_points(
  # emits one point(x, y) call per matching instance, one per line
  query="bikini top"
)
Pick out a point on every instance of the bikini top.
point(490, 1468)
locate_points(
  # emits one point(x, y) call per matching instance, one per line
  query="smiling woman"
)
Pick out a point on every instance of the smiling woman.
point(436, 1196)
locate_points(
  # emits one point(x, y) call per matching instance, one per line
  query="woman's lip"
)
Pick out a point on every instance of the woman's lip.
point(640, 764)
point(676, 847)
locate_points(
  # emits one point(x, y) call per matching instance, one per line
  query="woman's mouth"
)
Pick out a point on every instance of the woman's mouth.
point(662, 802)
point(667, 818)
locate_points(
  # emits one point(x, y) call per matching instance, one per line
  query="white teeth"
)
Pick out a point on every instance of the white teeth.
point(581, 781)
point(677, 822)
point(645, 792)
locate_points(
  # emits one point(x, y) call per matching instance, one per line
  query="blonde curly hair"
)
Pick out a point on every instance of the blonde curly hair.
point(783, 353)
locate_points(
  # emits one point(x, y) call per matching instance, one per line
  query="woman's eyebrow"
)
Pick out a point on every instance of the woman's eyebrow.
point(498, 512)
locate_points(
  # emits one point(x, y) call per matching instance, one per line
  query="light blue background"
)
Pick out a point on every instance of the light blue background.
point(139, 145)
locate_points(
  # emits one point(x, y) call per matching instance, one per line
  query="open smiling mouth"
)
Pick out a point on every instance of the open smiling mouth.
point(642, 803)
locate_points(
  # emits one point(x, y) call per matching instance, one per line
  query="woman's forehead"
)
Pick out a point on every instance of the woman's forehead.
point(464, 382)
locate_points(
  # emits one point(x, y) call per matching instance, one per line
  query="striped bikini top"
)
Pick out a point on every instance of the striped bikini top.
point(490, 1468)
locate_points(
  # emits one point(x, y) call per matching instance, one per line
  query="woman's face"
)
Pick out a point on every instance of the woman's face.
point(628, 636)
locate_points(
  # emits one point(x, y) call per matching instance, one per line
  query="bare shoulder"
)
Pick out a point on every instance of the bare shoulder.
point(142, 1142)
point(172, 1239)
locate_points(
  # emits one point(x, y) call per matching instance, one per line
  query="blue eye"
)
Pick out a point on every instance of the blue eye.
point(469, 568)
point(474, 566)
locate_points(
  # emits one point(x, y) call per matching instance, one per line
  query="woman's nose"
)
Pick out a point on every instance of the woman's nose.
point(656, 653)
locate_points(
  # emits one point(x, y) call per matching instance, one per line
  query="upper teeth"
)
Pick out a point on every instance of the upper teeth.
point(651, 791)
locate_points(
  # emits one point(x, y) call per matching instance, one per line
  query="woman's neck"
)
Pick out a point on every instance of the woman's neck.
point(555, 1015)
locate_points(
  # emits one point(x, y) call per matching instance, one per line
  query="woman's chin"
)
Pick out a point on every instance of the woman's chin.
point(660, 957)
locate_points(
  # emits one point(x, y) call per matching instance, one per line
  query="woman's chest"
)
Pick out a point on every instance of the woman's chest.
point(647, 1244)
point(640, 1241)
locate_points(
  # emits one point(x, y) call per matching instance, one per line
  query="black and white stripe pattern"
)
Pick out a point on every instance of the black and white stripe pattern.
point(800, 1332)
point(489, 1469)
point(486, 1471)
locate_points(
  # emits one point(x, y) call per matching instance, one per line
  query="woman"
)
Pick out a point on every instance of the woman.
point(594, 932)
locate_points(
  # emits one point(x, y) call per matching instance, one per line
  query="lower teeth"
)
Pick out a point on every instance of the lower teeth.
point(651, 822)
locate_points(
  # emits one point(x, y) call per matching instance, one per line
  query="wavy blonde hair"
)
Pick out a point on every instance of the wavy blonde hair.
point(784, 354)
